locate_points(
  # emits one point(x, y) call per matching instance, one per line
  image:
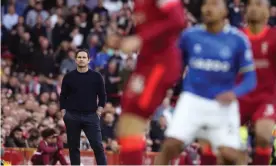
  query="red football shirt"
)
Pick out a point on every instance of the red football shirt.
point(158, 23)
point(264, 52)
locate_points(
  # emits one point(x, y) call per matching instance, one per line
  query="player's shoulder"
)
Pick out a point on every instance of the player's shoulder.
point(269, 28)
point(234, 31)
point(237, 34)
point(272, 34)
point(70, 73)
point(272, 30)
point(192, 30)
point(96, 73)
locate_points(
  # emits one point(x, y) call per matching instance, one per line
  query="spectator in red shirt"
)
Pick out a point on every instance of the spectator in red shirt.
point(49, 151)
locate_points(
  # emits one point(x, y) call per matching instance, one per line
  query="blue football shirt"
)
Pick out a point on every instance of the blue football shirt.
point(214, 60)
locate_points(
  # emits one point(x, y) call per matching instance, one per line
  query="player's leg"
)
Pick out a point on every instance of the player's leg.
point(205, 136)
point(144, 92)
point(227, 155)
point(264, 120)
point(246, 110)
point(243, 153)
point(130, 131)
point(226, 138)
point(73, 130)
point(273, 154)
point(61, 158)
point(207, 157)
point(182, 129)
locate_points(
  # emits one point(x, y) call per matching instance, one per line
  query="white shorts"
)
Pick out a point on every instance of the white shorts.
point(198, 117)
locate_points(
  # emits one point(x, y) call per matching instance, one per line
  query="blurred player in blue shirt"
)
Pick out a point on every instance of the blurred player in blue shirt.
point(215, 53)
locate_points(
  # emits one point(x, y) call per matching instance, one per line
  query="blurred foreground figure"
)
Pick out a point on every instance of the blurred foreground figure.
point(158, 25)
point(259, 106)
point(207, 109)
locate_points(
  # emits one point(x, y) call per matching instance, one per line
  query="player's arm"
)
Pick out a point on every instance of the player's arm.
point(64, 92)
point(272, 57)
point(182, 45)
point(273, 61)
point(174, 20)
point(47, 149)
point(101, 91)
point(246, 69)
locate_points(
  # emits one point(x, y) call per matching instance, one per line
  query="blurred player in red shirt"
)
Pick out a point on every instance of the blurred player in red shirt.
point(158, 25)
point(259, 106)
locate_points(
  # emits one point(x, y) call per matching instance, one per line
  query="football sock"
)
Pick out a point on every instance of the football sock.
point(207, 157)
point(261, 156)
point(187, 160)
point(184, 160)
point(132, 149)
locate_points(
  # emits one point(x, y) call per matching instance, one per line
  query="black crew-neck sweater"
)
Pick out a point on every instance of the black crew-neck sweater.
point(79, 91)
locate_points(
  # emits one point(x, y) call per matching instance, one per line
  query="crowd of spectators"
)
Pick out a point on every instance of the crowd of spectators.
point(39, 39)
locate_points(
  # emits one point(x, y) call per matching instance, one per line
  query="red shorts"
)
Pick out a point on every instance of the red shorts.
point(253, 111)
point(147, 88)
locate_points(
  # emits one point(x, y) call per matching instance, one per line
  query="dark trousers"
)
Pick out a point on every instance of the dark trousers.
point(90, 124)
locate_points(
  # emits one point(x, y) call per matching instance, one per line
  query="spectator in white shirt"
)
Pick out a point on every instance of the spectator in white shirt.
point(54, 17)
point(11, 18)
point(112, 6)
point(77, 37)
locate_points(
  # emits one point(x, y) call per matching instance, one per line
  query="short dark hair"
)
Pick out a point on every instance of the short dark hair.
point(30, 120)
point(48, 132)
point(17, 128)
point(34, 134)
point(82, 50)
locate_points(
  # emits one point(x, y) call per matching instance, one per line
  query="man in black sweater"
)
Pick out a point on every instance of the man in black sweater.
point(82, 99)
